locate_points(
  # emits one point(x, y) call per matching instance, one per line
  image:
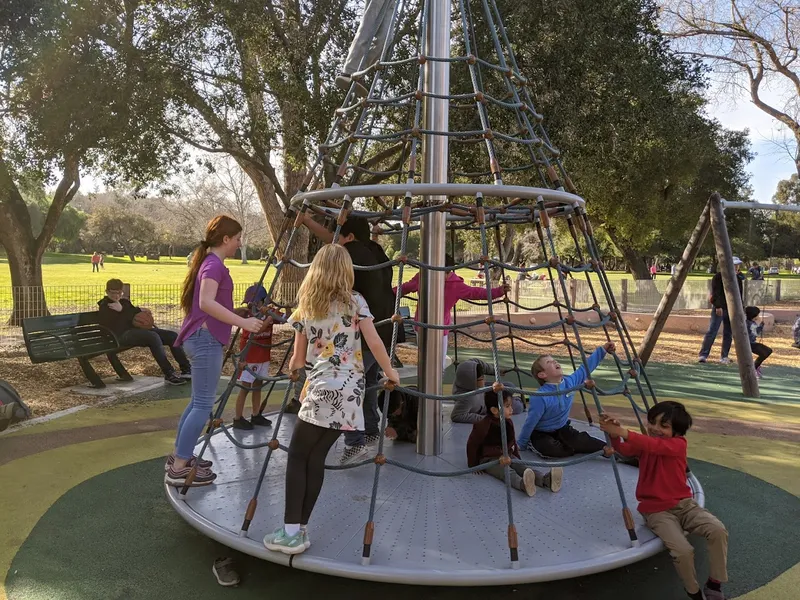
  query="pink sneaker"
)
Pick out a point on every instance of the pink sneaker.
point(758, 373)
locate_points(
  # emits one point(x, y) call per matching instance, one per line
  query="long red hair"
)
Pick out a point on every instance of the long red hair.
point(216, 231)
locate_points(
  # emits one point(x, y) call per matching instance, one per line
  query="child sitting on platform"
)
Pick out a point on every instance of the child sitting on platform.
point(665, 499)
point(762, 351)
point(254, 365)
point(401, 421)
point(547, 428)
point(485, 445)
point(796, 333)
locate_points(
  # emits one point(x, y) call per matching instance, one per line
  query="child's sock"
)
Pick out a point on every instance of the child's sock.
point(713, 584)
point(291, 529)
point(698, 595)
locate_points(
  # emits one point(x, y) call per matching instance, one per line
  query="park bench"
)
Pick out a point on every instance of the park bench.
point(153, 256)
point(79, 335)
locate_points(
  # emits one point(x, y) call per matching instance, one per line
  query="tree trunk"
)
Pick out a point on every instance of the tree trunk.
point(291, 277)
point(129, 250)
point(26, 282)
point(23, 249)
point(637, 265)
point(243, 250)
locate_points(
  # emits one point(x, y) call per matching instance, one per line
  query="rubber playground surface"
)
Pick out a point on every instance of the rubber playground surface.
point(84, 515)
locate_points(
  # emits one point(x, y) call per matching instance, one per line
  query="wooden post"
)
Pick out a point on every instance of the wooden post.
point(624, 296)
point(573, 291)
point(516, 294)
point(741, 340)
point(674, 287)
point(777, 290)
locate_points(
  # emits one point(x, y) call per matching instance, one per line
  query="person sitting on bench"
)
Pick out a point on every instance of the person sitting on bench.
point(118, 315)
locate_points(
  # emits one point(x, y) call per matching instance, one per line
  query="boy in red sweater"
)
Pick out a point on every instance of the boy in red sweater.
point(665, 499)
point(485, 444)
point(254, 365)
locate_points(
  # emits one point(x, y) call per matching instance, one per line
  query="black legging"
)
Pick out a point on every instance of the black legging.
point(305, 469)
point(565, 442)
point(761, 351)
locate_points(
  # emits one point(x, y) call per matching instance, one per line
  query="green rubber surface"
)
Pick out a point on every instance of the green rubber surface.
point(115, 537)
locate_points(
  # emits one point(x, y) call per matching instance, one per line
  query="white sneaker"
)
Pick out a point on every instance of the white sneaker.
point(353, 454)
point(372, 440)
point(556, 476)
point(725, 361)
point(529, 482)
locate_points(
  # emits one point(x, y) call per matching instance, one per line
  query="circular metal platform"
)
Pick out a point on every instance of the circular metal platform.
point(428, 530)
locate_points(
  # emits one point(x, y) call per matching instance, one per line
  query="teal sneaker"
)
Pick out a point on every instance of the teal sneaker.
point(279, 541)
point(306, 539)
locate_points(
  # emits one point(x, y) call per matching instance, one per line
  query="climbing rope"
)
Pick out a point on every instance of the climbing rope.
point(515, 144)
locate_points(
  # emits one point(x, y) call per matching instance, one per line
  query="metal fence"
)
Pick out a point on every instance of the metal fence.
point(632, 296)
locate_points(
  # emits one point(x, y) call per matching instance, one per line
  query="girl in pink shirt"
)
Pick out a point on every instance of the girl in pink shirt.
point(207, 301)
point(454, 290)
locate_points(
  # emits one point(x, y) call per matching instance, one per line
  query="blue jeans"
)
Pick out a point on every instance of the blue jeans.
point(370, 404)
point(206, 355)
point(711, 334)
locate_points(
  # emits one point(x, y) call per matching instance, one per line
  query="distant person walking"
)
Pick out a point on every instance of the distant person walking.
point(653, 271)
point(103, 261)
point(756, 272)
point(95, 262)
point(719, 315)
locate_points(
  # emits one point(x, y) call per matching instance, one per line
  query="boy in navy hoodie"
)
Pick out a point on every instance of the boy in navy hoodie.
point(665, 499)
point(485, 445)
point(762, 351)
point(547, 426)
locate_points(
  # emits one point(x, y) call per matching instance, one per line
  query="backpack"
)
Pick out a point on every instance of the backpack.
point(12, 408)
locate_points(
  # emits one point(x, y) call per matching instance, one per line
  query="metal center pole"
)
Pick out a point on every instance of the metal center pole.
point(431, 293)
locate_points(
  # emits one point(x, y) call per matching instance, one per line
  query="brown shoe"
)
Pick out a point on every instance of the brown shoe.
point(203, 464)
point(177, 477)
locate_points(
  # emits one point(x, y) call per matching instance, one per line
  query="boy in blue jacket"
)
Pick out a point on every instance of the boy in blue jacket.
point(547, 427)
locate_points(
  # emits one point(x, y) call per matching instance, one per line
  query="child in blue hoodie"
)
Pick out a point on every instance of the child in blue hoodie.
point(547, 427)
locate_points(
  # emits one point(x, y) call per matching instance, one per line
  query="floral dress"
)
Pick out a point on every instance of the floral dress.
point(334, 388)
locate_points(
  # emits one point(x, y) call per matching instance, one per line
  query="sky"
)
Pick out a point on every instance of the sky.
point(771, 163)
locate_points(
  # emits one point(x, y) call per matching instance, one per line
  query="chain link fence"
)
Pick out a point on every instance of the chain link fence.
point(162, 300)
point(641, 296)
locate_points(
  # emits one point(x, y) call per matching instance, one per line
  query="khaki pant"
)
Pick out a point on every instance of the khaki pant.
point(688, 516)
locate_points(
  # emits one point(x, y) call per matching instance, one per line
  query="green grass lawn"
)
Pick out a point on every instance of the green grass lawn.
point(76, 270)
point(71, 280)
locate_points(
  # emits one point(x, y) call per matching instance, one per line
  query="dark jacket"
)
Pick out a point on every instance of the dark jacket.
point(471, 409)
point(118, 322)
point(485, 441)
point(370, 284)
point(405, 421)
point(718, 291)
point(386, 287)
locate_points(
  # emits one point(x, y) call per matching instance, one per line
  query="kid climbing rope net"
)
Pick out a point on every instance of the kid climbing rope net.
point(371, 157)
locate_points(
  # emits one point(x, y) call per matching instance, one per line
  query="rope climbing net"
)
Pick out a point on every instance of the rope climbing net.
point(372, 153)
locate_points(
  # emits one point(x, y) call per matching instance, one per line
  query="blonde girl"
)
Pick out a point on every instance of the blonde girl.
point(330, 322)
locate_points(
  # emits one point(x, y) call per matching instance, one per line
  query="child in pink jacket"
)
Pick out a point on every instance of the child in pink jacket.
point(454, 290)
